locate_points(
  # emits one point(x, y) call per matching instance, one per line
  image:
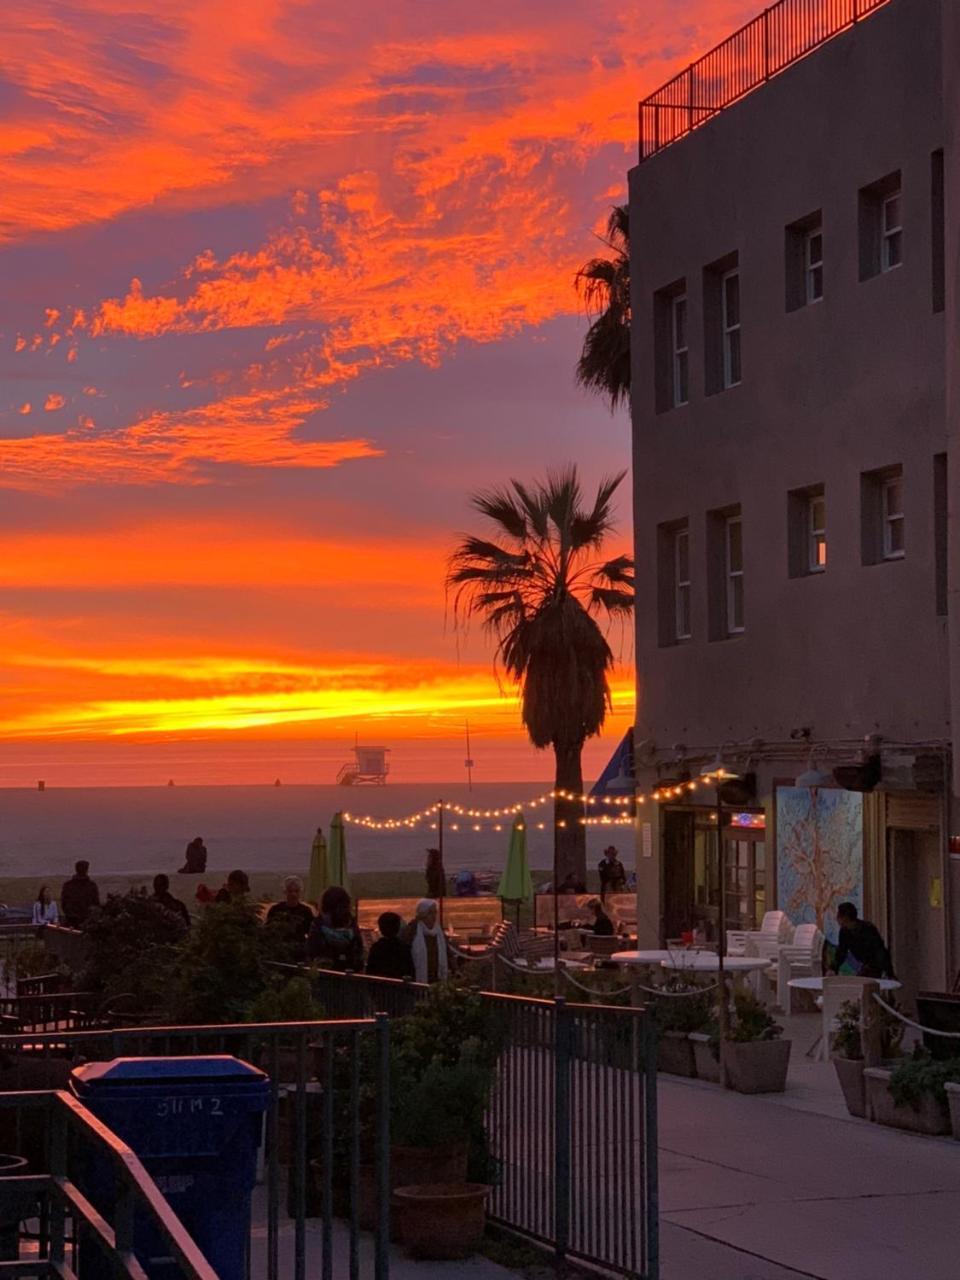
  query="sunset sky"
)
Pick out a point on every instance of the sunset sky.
point(282, 282)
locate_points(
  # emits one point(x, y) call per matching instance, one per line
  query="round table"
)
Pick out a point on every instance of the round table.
point(649, 958)
point(705, 962)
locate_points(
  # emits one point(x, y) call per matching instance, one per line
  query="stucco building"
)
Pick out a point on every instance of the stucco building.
point(796, 409)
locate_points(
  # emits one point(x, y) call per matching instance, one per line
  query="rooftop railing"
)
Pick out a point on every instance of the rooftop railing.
point(781, 35)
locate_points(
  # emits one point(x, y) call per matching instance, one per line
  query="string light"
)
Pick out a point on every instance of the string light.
point(432, 812)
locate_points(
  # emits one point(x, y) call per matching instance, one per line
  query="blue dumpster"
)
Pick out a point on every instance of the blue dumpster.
point(196, 1125)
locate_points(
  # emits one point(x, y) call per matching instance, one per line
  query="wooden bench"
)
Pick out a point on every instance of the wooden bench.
point(462, 916)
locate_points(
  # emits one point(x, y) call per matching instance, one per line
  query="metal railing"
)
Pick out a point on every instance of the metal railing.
point(571, 1120)
point(776, 38)
point(59, 1203)
point(317, 1140)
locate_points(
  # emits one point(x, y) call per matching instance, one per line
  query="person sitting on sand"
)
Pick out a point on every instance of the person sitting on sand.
point(334, 938)
point(79, 896)
point(390, 956)
point(236, 888)
point(195, 858)
point(428, 943)
point(164, 898)
point(45, 909)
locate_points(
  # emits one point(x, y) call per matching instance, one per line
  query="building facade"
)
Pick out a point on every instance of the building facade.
point(796, 409)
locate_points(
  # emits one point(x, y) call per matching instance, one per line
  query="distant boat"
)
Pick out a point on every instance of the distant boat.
point(368, 768)
point(170, 783)
point(276, 782)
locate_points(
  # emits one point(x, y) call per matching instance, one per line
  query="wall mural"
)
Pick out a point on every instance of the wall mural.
point(819, 853)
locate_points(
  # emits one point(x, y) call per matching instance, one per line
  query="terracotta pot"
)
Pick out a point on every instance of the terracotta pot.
point(706, 1065)
point(930, 1118)
point(443, 1221)
point(757, 1066)
point(416, 1166)
point(850, 1074)
point(953, 1098)
point(675, 1054)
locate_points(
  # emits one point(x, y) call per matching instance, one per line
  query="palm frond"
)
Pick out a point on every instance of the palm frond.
point(499, 506)
point(613, 599)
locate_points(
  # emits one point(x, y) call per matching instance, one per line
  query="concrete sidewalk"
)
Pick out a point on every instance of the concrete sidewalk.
point(787, 1186)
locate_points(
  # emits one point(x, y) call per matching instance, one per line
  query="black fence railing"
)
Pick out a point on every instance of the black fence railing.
point(571, 1118)
point(320, 1144)
point(779, 36)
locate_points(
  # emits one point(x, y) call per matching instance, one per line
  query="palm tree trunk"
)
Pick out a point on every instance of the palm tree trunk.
point(570, 839)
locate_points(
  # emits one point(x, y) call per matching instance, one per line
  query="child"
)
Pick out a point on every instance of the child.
point(389, 956)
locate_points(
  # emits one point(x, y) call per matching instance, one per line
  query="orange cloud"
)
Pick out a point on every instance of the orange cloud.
point(25, 407)
point(53, 402)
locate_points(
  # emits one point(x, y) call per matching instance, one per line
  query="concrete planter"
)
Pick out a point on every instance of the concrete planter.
point(953, 1097)
point(757, 1066)
point(675, 1054)
point(706, 1065)
point(850, 1074)
point(443, 1221)
point(929, 1118)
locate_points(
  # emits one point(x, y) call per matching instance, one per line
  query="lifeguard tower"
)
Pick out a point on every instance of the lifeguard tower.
point(368, 768)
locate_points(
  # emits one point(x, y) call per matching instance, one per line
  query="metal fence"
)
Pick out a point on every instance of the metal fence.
point(64, 1211)
point(572, 1121)
point(321, 1140)
point(776, 38)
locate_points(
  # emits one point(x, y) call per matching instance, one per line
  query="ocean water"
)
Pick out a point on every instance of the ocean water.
point(263, 828)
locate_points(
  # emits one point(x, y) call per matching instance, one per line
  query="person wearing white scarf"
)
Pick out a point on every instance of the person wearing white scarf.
point(428, 943)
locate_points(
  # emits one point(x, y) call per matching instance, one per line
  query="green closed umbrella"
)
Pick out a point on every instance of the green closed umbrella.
point(337, 853)
point(318, 876)
point(516, 883)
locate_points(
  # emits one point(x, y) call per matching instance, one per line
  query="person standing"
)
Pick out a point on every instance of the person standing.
point(428, 943)
point(164, 898)
point(860, 946)
point(334, 938)
point(436, 876)
point(291, 913)
point(613, 878)
point(390, 956)
point(45, 909)
point(79, 896)
point(236, 888)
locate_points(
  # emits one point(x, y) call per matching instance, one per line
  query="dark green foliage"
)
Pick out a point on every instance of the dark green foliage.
point(921, 1074)
point(604, 285)
point(221, 967)
point(445, 1105)
point(846, 1038)
point(751, 1020)
point(285, 1001)
point(131, 944)
point(684, 1013)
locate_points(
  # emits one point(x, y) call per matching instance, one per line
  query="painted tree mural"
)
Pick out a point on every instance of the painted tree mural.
point(819, 853)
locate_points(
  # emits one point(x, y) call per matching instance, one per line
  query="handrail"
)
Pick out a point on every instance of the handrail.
point(136, 1185)
point(226, 1029)
point(778, 37)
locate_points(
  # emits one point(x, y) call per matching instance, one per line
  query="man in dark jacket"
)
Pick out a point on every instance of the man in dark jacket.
point(79, 896)
point(602, 924)
point(860, 946)
point(164, 898)
point(613, 878)
point(291, 913)
point(390, 956)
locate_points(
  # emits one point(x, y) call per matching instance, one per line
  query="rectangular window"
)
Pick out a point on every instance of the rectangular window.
point(882, 515)
point(681, 581)
point(940, 532)
point(892, 506)
point(681, 351)
point(807, 531)
point(892, 232)
point(730, 308)
point(674, 589)
point(937, 259)
point(671, 354)
point(817, 534)
point(813, 265)
point(733, 571)
point(881, 226)
point(721, 324)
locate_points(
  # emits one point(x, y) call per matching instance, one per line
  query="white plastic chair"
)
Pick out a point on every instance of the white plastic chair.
point(800, 959)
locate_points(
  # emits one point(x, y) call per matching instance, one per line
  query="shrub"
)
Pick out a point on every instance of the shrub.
point(130, 947)
point(922, 1074)
point(690, 1009)
point(846, 1039)
point(220, 967)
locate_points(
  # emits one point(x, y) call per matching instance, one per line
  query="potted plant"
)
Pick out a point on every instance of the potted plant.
point(952, 1090)
point(680, 1015)
point(847, 1052)
point(912, 1096)
point(755, 1057)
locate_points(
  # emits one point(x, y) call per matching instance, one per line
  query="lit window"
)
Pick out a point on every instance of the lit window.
point(681, 350)
point(730, 315)
point(891, 226)
point(892, 510)
point(733, 565)
point(681, 580)
point(813, 264)
point(817, 533)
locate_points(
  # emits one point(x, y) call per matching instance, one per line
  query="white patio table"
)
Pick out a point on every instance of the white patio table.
point(820, 1049)
point(706, 962)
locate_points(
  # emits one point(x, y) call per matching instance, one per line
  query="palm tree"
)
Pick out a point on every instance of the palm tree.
point(604, 285)
point(538, 584)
